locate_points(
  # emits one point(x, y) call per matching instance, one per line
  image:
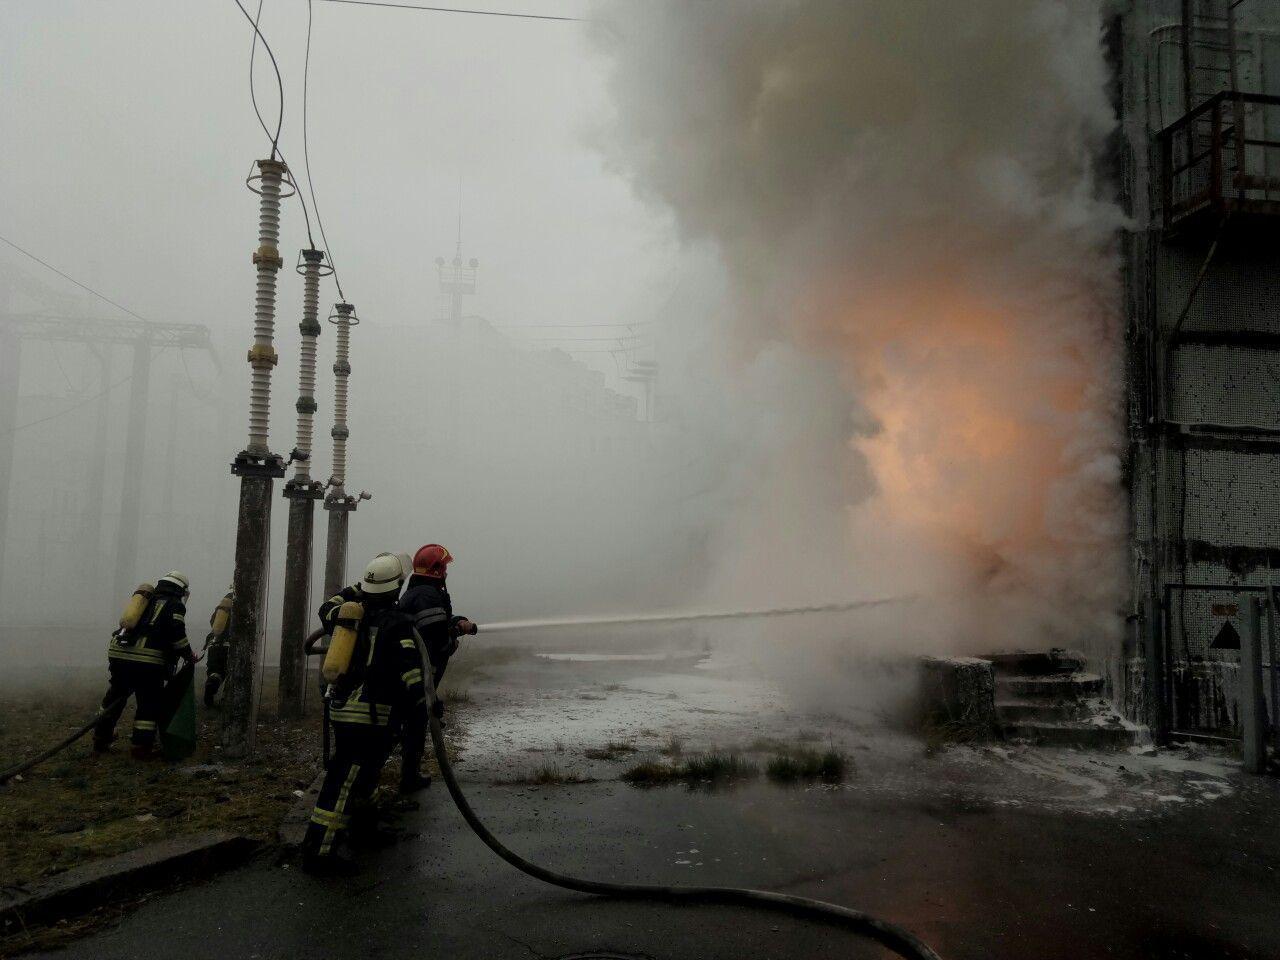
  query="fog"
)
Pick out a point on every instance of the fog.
point(864, 244)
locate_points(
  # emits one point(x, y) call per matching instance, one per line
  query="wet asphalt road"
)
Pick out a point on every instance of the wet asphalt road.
point(976, 882)
point(986, 853)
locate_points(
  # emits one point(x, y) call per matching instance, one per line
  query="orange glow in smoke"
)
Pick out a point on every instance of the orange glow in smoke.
point(976, 416)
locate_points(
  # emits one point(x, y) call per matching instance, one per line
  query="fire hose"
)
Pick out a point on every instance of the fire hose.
point(23, 766)
point(900, 941)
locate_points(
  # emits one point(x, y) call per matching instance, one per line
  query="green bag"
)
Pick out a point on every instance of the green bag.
point(178, 734)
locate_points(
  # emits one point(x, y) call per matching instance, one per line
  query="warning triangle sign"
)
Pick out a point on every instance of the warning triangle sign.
point(1227, 638)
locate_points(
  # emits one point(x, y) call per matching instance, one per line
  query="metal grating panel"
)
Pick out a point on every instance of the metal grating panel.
point(1233, 498)
point(1227, 386)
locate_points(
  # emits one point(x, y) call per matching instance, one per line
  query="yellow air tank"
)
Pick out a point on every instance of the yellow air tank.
point(137, 606)
point(221, 617)
point(338, 660)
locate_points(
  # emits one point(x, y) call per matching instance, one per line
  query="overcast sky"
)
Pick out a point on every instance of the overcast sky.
point(128, 132)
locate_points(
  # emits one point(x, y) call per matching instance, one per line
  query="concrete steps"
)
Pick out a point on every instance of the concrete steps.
point(1049, 697)
point(1066, 686)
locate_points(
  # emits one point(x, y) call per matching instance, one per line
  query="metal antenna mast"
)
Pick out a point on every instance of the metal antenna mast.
point(302, 492)
point(257, 467)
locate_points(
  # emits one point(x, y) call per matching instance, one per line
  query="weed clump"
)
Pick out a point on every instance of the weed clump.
point(549, 774)
point(651, 773)
point(715, 767)
point(613, 750)
point(702, 769)
point(829, 766)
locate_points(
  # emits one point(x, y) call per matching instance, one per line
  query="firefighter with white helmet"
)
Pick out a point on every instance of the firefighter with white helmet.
point(375, 685)
point(152, 636)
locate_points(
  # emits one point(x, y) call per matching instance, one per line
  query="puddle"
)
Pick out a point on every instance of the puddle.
point(616, 657)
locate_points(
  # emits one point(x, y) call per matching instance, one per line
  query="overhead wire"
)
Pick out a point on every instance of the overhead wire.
point(257, 34)
point(480, 13)
point(62, 413)
point(48, 266)
point(306, 158)
point(275, 139)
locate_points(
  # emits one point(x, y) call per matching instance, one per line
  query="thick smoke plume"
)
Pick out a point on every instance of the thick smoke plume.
point(925, 294)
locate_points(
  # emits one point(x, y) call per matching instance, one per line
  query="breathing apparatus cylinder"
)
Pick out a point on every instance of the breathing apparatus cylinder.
point(338, 660)
point(221, 617)
point(136, 607)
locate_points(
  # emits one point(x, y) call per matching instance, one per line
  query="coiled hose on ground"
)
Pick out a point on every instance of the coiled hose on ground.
point(900, 941)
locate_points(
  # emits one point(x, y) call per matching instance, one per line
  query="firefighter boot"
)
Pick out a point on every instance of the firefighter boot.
point(411, 781)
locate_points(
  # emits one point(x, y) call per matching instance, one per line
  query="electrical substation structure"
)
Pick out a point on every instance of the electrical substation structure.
point(144, 339)
point(1198, 162)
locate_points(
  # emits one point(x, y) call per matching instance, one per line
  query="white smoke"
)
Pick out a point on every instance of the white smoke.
point(925, 321)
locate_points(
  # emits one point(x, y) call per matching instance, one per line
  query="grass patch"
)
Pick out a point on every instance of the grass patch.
point(829, 766)
point(714, 767)
point(454, 695)
point(674, 747)
point(613, 750)
point(651, 773)
point(547, 775)
point(699, 770)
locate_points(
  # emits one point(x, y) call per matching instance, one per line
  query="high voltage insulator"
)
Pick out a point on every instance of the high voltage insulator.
point(262, 355)
point(312, 268)
point(344, 318)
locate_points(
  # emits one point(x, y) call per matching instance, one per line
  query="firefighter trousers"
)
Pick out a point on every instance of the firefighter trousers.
point(143, 681)
point(359, 752)
point(216, 664)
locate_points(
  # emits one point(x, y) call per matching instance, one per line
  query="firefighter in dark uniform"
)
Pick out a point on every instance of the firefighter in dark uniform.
point(216, 647)
point(141, 660)
point(427, 601)
point(382, 690)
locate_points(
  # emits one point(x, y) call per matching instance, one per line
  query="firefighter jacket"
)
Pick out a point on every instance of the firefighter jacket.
point(160, 636)
point(427, 603)
point(390, 683)
point(329, 609)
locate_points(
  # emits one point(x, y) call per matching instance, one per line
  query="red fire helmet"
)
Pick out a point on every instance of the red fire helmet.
point(431, 560)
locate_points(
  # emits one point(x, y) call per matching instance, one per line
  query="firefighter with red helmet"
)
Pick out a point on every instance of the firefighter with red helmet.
point(426, 601)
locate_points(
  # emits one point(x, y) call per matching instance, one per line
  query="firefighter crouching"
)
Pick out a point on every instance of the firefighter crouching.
point(427, 602)
point(375, 687)
point(141, 656)
point(216, 647)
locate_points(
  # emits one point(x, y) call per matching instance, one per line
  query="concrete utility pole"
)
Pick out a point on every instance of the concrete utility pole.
point(302, 492)
point(338, 502)
point(10, 371)
point(257, 467)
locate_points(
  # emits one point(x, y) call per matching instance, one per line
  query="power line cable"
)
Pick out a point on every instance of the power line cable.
point(275, 140)
point(480, 13)
point(566, 326)
point(62, 413)
point(49, 266)
point(257, 34)
point(306, 158)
